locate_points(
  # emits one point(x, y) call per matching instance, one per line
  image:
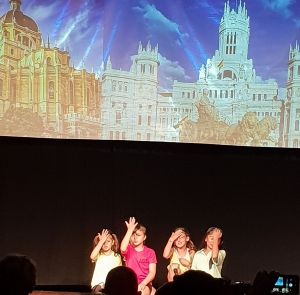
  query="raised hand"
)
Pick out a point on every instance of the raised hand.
point(131, 224)
point(217, 234)
point(175, 235)
point(103, 236)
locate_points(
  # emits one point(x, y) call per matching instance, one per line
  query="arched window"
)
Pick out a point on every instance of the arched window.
point(51, 90)
point(138, 136)
point(114, 86)
point(120, 86)
point(118, 117)
point(227, 74)
point(295, 143)
point(49, 62)
point(297, 125)
point(117, 135)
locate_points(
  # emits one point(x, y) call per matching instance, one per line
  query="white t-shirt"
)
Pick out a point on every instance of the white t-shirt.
point(104, 264)
point(205, 263)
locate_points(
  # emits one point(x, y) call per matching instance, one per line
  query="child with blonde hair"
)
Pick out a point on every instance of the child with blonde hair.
point(105, 254)
point(180, 250)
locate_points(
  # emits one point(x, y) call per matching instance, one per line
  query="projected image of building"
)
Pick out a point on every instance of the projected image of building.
point(228, 104)
point(37, 80)
point(292, 105)
point(228, 93)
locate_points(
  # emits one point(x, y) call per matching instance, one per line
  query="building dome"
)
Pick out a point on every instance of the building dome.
point(19, 18)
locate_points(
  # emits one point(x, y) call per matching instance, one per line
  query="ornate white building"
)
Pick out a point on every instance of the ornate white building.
point(229, 79)
point(132, 108)
point(129, 107)
point(292, 118)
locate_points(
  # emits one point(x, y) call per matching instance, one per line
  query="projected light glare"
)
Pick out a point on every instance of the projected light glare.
point(88, 50)
point(79, 17)
point(60, 19)
point(113, 31)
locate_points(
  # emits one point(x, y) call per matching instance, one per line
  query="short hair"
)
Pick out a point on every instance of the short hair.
point(17, 275)
point(140, 227)
point(121, 280)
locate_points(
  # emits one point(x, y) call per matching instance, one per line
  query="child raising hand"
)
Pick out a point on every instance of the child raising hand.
point(140, 258)
point(180, 249)
point(106, 257)
point(210, 257)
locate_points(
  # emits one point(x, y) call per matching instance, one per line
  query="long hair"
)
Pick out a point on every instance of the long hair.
point(114, 247)
point(189, 243)
point(209, 231)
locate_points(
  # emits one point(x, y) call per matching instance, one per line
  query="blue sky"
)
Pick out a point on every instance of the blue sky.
point(186, 32)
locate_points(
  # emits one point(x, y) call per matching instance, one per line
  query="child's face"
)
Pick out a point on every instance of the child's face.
point(181, 240)
point(210, 240)
point(107, 244)
point(137, 238)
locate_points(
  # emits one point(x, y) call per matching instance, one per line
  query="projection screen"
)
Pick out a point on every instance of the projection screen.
point(212, 71)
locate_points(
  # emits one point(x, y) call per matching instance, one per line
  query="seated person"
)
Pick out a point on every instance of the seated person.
point(17, 275)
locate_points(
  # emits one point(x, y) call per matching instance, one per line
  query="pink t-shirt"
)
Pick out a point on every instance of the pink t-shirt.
point(139, 261)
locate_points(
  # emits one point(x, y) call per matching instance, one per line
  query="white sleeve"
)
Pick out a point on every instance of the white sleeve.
point(221, 257)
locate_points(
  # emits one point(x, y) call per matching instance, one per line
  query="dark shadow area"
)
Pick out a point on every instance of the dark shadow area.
point(57, 194)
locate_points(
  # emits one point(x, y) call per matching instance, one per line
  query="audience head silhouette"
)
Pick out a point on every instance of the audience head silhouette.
point(121, 280)
point(194, 282)
point(17, 275)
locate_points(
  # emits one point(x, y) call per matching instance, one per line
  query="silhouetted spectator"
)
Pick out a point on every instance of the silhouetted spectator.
point(17, 275)
point(121, 280)
point(196, 282)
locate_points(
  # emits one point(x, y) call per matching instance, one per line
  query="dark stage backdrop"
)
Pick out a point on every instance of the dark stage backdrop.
point(56, 195)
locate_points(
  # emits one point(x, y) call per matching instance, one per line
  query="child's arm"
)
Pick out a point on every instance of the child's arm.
point(185, 262)
point(131, 224)
point(102, 239)
point(168, 251)
point(149, 278)
point(215, 248)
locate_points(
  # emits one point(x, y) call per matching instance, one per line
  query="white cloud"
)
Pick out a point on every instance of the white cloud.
point(40, 13)
point(156, 20)
point(74, 28)
point(170, 71)
point(282, 7)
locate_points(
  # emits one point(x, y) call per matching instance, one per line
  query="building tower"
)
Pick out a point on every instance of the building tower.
point(230, 60)
point(292, 118)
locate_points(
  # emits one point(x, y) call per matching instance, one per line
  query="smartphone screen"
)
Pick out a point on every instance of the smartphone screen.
point(287, 284)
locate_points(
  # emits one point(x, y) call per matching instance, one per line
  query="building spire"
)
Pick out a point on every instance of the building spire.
point(48, 42)
point(15, 4)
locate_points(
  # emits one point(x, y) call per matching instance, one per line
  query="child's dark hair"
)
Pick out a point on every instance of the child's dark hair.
point(189, 243)
point(114, 247)
point(140, 227)
point(209, 231)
